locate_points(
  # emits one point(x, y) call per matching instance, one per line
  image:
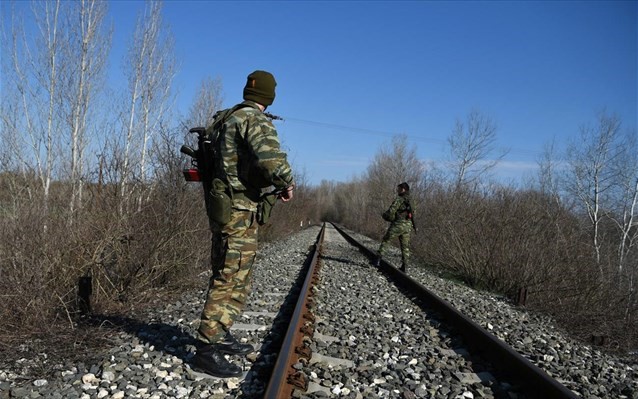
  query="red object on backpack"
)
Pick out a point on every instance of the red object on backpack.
point(192, 174)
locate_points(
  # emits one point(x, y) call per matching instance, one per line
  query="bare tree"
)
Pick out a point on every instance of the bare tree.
point(86, 59)
point(54, 77)
point(150, 78)
point(603, 178)
point(394, 165)
point(209, 100)
point(547, 173)
point(624, 206)
point(592, 176)
point(11, 117)
point(471, 143)
point(35, 76)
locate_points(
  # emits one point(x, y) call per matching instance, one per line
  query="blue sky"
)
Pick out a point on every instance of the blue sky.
point(351, 74)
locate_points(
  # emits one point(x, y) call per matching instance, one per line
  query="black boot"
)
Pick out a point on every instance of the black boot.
point(377, 261)
point(231, 346)
point(403, 264)
point(210, 360)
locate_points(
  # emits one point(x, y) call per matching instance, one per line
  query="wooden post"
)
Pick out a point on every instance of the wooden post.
point(85, 289)
point(522, 297)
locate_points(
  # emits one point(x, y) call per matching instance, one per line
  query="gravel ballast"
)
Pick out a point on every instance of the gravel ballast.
point(375, 342)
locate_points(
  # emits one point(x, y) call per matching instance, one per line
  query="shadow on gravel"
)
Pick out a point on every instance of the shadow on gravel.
point(171, 339)
point(164, 337)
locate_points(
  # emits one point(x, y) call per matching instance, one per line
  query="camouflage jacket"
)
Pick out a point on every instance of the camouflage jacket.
point(251, 156)
point(398, 211)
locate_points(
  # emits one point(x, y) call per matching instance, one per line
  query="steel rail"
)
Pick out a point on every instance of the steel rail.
point(480, 340)
point(284, 377)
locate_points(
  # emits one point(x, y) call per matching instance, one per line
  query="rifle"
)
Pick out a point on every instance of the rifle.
point(200, 167)
point(201, 170)
point(202, 158)
point(273, 117)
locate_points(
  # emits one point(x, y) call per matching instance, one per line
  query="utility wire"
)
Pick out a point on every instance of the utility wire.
point(382, 133)
point(362, 130)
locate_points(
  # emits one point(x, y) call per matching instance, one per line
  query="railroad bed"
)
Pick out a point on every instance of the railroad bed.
point(369, 341)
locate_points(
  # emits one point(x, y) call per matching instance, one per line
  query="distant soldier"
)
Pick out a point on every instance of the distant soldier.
point(401, 218)
point(247, 158)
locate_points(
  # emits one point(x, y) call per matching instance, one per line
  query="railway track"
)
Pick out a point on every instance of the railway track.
point(326, 323)
point(490, 363)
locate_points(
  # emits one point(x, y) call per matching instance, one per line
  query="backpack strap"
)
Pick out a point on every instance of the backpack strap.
point(221, 116)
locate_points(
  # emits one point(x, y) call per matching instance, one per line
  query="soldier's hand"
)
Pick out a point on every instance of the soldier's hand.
point(286, 195)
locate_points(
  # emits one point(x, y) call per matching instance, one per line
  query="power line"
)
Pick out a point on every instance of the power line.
point(362, 130)
point(520, 151)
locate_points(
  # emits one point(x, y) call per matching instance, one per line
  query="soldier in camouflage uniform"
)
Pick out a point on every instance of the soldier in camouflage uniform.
point(250, 160)
point(400, 214)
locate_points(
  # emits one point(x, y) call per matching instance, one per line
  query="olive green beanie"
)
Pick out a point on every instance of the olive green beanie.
point(260, 88)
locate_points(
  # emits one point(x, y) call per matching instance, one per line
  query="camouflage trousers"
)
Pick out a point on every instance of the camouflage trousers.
point(233, 252)
point(401, 230)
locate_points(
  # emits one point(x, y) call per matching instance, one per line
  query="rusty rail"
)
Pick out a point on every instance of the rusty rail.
point(539, 383)
point(285, 378)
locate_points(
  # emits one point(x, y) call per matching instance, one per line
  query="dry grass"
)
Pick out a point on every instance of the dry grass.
point(155, 250)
